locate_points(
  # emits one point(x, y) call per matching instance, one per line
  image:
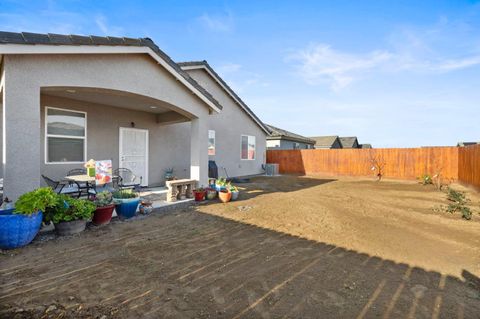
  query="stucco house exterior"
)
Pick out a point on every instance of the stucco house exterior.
point(280, 139)
point(68, 98)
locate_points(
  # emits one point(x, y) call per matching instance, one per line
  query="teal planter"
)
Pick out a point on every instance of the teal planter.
point(126, 208)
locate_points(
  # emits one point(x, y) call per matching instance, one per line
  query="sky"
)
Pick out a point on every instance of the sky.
point(392, 73)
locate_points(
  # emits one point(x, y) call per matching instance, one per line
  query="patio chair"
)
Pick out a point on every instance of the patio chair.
point(64, 187)
point(125, 178)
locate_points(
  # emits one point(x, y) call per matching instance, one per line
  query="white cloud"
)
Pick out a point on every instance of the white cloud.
point(321, 63)
point(217, 23)
point(446, 46)
point(227, 68)
point(105, 28)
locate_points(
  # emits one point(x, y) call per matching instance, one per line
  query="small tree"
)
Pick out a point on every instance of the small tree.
point(378, 166)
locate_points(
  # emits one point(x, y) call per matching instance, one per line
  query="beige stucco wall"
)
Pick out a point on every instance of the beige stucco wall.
point(169, 145)
point(229, 125)
point(27, 74)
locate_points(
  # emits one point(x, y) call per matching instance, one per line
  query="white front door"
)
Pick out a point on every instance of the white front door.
point(134, 152)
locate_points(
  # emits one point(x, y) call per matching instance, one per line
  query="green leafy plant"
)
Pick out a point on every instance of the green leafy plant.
point(34, 201)
point(68, 209)
point(103, 199)
point(233, 188)
point(221, 181)
point(169, 174)
point(458, 203)
point(200, 189)
point(124, 194)
point(426, 179)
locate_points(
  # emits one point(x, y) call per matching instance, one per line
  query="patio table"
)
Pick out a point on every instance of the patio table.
point(80, 178)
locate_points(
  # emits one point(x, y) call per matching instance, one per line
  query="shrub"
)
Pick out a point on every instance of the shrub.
point(459, 202)
point(39, 199)
point(67, 209)
point(426, 179)
point(124, 194)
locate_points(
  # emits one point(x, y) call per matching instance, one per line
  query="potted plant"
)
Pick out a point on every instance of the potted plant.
point(234, 190)
point(146, 207)
point(225, 195)
point(19, 225)
point(220, 184)
point(169, 174)
point(104, 203)
point(199, 194)
point(211, 193)
point(126, 203)
point(69, 215)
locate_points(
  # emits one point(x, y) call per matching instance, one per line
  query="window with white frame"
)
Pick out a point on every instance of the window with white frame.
point(65, 135)
point(211, 142)
point(247, 147)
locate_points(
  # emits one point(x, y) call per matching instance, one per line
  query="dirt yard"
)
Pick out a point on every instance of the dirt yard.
point(290, 247)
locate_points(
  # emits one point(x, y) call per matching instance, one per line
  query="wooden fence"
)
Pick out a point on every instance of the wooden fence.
point(469, 165)
point(401, 163)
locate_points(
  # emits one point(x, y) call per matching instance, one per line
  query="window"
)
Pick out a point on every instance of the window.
point(296, 146)
point(247, 147)
point(65, 136)
point(211, 142)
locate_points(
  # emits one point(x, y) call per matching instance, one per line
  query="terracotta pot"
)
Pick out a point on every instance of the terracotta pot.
point(103, 215)
point(225, 196)
point(199, 195)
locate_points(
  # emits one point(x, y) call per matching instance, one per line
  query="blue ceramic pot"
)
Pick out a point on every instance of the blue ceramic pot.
point(17, 230)
point(126, 208)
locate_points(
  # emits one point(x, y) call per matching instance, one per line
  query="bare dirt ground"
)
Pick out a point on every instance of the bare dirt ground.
point(291, 247)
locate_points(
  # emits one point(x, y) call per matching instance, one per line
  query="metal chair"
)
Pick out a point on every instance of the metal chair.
point(84, 187)
point(69, 188)
point(125, 178)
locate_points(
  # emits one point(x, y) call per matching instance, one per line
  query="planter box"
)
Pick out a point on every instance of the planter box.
point(70, 228)
point(17, 230)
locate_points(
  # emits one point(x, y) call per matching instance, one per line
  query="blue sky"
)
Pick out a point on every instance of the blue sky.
point(393, 73)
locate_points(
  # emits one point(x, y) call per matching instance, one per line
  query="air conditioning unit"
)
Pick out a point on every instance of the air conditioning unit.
point(271, 169)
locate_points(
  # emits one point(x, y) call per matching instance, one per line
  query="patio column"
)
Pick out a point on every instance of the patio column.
point(21, 136)
point(199, 151)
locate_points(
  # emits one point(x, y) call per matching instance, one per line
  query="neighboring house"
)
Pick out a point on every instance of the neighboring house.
point(349, 142)
point(327, 142)
point(463, 144)
point(365, 146)
point(280, 139)
point(66, 99)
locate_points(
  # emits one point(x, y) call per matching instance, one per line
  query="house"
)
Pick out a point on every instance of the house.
point(327, 142)
point(68, 98)
point(349, 142)
point(280, 139)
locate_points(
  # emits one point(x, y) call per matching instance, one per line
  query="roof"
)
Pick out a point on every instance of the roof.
point(324, 141)
point(365, 145)
point(278, 133)
point(348, 141)
point(462, 144)
point(27, 38)
point(204, 65)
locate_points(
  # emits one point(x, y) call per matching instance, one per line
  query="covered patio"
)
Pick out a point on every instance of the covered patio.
point(69, 108)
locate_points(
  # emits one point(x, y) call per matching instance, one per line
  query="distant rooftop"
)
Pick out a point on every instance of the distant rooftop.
point(278, 133)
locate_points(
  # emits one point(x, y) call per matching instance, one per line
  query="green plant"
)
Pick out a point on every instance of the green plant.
point(169, 173)
point(459, 202)
point(233, 188)
point(221, 181)
point(34, 201)
point(200, 189)
point(103, 199)
point(67, 209)
point(124, 194)
point(426, 179)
